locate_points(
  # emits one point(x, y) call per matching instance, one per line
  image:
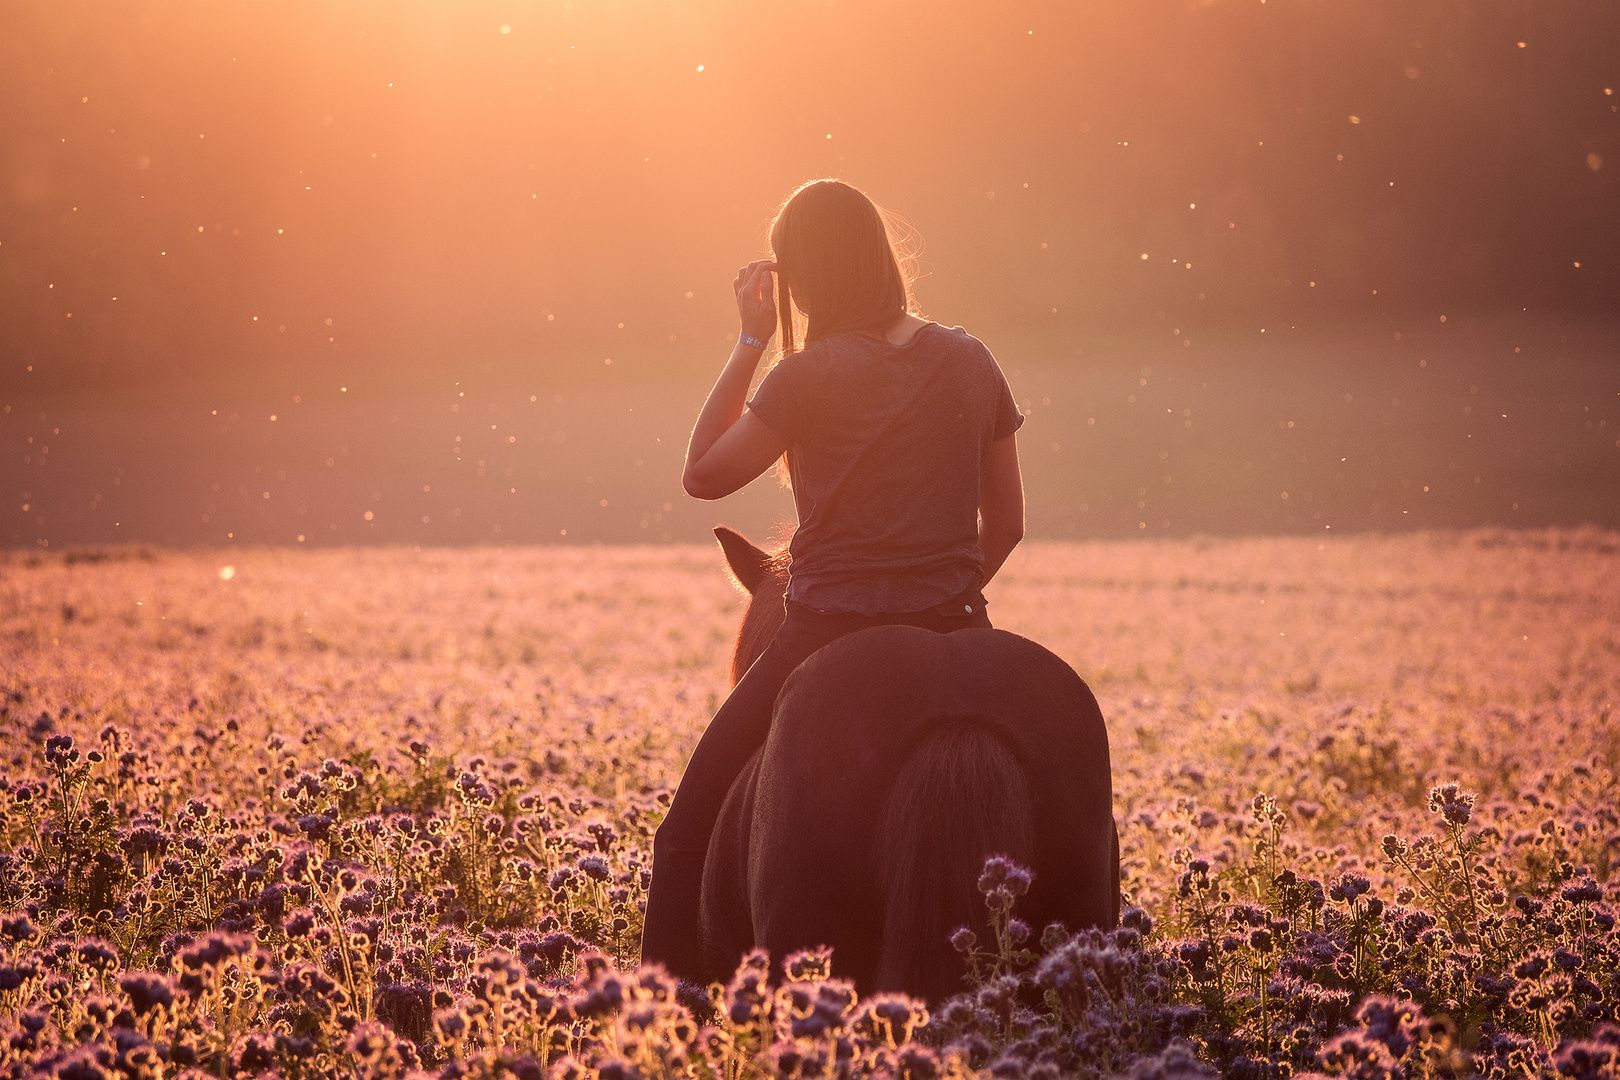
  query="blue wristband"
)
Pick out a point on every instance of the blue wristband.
point(751, 341)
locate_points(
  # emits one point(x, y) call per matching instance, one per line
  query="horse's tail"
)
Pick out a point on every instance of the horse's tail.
point(960, 797)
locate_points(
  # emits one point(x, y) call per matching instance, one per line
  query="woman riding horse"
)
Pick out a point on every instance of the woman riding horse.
point(899, 441)
point(898, 761)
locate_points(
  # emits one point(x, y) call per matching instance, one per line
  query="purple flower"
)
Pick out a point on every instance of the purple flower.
point(299, 923)
point(1349, 886)
point(1586, 891)
point(258, 1053)
point(145, 840)
point(809, 964)
point(1453, 804)
point(18, 928)
point(1594, 1058)
point(1391, 1021)
point(96, 954)
point(147, 990)
point(747, 996)
point(60, 752)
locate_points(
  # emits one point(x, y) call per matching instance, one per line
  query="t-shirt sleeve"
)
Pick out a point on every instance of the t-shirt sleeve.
point(1008, 418)
point(780, 402)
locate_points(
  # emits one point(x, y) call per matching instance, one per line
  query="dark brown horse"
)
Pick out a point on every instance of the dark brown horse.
point(897, 760)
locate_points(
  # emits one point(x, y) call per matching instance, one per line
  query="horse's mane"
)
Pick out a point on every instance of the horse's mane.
point(765, 609)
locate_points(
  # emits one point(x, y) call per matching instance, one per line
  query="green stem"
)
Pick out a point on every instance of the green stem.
point(1468, 878)
point(343, 953)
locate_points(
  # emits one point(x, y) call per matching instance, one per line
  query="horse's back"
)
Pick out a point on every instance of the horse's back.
point(850, 717)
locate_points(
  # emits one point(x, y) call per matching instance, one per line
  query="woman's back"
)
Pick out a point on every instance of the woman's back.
point(905, 472)
point(886, 447)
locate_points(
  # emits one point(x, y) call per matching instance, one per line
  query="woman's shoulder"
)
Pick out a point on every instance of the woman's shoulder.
point(832, 353)
point(957, 341)
point(942, 332)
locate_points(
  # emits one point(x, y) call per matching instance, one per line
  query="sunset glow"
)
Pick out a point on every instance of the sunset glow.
point(1180, 631)
point(349, 213)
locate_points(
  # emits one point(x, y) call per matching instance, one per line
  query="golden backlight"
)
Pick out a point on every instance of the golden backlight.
point(217, 207)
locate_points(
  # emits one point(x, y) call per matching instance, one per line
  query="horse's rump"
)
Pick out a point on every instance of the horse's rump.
point(851, 722)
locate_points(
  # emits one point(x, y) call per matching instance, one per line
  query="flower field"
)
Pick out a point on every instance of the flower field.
point(389, 812)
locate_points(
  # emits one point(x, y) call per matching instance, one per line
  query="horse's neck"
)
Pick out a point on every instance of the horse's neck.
point(759, 624)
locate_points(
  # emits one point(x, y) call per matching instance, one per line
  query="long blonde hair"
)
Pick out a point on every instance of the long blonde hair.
point(837, 261)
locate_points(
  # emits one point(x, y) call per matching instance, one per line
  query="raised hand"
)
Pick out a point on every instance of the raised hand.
point(756, 298)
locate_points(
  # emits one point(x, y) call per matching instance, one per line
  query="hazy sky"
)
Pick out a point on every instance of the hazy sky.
point(458, 272)
point(392, 190)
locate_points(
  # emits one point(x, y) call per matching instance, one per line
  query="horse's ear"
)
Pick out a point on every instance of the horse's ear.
point(748, 564)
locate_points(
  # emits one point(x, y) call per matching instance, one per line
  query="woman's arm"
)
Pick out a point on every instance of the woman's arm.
point(1001, 505)
point(729, 447)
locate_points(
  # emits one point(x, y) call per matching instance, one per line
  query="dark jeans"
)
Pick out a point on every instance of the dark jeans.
point(670, 934)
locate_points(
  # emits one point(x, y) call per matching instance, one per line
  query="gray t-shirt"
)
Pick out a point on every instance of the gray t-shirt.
point(887, 447)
